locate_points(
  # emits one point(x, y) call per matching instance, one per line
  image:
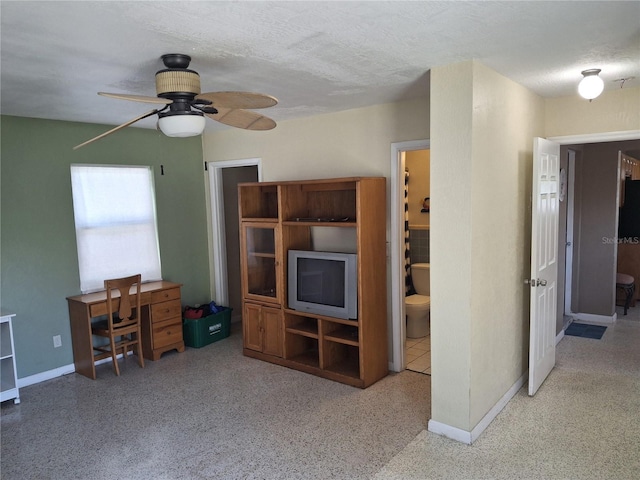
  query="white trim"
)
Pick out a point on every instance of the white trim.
point(396, 237)
point(559, 336)
point(597, 137)
point(616, 217)
point(218, 264)
point(569, 240)
point(48, 375)
point(58, 372)
point(464, 436)
point(595, 319)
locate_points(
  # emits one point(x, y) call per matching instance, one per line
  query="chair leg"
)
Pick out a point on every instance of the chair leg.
point(114, 354)
point(140, 357)
point(630, 290)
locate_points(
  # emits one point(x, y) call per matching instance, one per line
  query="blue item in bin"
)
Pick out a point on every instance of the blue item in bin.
point(215, 308)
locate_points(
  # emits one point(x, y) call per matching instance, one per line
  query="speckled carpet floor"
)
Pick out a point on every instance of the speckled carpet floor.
point(211, 413)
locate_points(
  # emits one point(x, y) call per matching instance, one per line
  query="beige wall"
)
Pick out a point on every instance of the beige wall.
point(614, 111)
point(450, 243)
point(349, 143)
point(481, 154)
point(417, 164)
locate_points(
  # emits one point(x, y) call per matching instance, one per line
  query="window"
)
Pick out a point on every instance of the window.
point(116, 228)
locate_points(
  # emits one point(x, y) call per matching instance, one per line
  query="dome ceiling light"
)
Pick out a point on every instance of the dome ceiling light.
point(591, 85)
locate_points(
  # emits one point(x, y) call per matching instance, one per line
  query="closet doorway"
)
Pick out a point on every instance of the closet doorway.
point(225, 245)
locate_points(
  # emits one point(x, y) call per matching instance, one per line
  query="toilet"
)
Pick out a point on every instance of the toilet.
point(418, 306)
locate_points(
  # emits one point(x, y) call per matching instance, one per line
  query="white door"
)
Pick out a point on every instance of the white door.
point(544, 261)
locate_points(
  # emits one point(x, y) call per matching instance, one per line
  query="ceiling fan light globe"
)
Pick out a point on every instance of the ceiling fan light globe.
point(591, 86)
point(189, 125)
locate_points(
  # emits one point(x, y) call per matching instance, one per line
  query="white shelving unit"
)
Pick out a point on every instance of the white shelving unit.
point(8, 376)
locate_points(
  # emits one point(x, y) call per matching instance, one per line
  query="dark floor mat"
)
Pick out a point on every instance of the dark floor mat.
point(586, 331)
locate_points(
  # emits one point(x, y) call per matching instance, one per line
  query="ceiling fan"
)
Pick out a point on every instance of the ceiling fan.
point(185, 108)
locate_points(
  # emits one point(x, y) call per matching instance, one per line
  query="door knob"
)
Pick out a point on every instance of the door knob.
point(542, 283)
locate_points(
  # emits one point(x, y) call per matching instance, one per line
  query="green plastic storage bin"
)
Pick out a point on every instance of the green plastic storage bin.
point(199, 332)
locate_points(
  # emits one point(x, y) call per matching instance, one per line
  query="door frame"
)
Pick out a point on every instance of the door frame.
point(218, 252)
point(568, 259)
point(396, 237)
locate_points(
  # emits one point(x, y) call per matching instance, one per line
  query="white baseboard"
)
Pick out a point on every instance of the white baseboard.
point(44, 376)
point(592, 319)
point(464, 436)
point(559, 336)
point(56, 372)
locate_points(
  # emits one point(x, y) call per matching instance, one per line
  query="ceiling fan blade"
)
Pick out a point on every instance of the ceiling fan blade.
point(242, 119)
point(137, 98)
point(235, 100)
point(119, 127)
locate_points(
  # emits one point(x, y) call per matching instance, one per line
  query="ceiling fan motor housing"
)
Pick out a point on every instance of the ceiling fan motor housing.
point(174, 83)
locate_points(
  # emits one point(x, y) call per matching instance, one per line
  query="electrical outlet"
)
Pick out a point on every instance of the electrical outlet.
point(57, 341)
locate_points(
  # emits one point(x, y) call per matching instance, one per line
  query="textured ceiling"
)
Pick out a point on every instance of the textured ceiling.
point(315, 57)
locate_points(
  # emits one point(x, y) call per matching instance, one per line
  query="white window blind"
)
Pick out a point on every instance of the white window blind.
point(115, 217)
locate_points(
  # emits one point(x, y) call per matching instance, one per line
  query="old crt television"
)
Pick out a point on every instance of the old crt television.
point(325, 283)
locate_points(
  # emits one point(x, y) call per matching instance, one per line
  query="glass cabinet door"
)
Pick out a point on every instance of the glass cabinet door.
point(261, 261)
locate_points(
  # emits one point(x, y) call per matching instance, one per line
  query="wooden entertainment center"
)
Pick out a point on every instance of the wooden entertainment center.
point(276, 217)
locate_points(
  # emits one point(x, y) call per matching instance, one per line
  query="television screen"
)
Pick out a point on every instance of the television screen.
point(321, 281)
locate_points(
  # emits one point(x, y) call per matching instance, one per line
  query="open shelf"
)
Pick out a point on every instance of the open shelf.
point(345, 334)
point(341, 359)
point(258, 202)
point(300, 313)
point(309, 358)
point(318, 223)
point(302, 349)
point(8, 378)
point(307, 329)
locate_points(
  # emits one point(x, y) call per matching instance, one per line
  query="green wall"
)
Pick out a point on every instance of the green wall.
point(38, 259)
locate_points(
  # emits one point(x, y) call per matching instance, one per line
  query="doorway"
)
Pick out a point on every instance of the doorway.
point(591, 206)
point(225, 245)
point(396, 236)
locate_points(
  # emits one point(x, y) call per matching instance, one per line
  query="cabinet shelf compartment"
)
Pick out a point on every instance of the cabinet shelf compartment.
point(304, 326)
point(319, 203)
point(341, 358)
point(319, 223)
point(325, 318)
point(345, 334)
point(302, 349)
point(258, 201)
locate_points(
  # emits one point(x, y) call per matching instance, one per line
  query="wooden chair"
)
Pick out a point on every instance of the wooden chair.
point(122, 322)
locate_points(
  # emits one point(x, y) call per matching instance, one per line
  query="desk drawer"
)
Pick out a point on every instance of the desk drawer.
point(163, 311)
point(164, 295)
point(167, 332)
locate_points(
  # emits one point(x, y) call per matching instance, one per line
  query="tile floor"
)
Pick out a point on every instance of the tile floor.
point(419, 354)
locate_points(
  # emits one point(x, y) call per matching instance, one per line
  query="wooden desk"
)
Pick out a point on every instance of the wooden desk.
point(161, 319)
